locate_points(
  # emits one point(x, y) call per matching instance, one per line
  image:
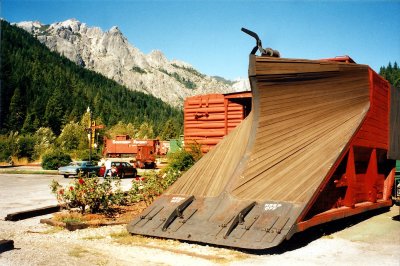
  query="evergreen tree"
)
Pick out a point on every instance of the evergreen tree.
point(16, 111)
point(54, 111)
point(391, 74)
point(122, 129)
point(169, 131)
point(145, 131)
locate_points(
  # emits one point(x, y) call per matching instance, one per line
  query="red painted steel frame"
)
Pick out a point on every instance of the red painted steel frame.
point(364, 190)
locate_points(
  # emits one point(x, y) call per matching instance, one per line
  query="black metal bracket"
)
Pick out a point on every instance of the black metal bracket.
point(264, 51)
point(239, 218)
point(177, 212)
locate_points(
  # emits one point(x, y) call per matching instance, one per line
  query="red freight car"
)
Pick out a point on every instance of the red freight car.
point(208, 118)
point(124, 146)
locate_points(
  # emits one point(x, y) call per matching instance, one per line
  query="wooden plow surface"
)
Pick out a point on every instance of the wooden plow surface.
point(259, 184)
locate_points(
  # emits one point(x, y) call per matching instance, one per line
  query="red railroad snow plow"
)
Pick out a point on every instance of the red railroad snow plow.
point(319, 144)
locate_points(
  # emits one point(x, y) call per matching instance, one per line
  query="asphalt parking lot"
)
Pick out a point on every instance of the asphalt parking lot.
point(20, 192)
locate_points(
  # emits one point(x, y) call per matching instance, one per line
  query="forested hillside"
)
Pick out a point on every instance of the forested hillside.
point(40, 88)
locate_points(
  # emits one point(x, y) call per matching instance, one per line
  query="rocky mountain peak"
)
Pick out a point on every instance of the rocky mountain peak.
point(111, 54)
point(115, 30)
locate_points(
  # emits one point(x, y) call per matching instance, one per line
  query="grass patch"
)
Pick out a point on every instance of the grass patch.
point(29, 172)
point(94, 257)
point(53, 230)
point(77, 252)
point(93, 237)
point(125, 238)
point(71, 217)
point(328, 237)
point(219, 256)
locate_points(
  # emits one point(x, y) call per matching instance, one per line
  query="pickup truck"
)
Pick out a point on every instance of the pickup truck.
point(79, 168)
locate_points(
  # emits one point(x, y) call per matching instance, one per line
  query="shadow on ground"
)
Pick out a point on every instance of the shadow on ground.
point(302, 239)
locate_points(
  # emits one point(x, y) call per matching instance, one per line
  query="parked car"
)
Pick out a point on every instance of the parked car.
point(120, 169)
point(79, 168)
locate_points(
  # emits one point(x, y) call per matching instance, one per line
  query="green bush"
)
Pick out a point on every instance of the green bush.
point(55, 159)
point(26, 147)
point(83, 155)
point(89, 193)
point(181, 160)
point(153, 184)
point(5, 148)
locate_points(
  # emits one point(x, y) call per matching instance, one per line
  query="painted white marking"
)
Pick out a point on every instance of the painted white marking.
point(177, 199)
point(272, 206)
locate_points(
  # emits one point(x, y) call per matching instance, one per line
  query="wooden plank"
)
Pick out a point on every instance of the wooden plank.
point(6, 245)
point(307, 113)
point(16, 216)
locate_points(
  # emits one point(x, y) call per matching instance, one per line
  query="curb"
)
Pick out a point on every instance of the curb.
point(16, 216)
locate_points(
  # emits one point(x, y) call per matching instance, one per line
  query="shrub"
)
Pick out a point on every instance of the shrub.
point(26, 147)
point(186, 82)
point(83, 155)
point(55, 159)
point(45, 139)
point(183, 159)
point(5, 148)
point(139, 70)
point(154, 184)
point(147, 189)
point(89, 193)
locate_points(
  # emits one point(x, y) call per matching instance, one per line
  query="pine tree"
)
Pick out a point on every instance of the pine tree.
point(55, 111)
point(169, 131)
point(16, 111)
point(391, 74)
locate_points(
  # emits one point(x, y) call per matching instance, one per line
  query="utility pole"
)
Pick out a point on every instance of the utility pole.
point(90, 133)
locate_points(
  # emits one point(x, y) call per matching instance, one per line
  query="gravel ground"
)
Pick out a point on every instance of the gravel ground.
point(374, 241)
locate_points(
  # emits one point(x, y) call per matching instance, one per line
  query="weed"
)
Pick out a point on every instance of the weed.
point(93, 237)
point(68, 217)
point(77, 252)
point(125, 238)
point(328, 236)
point(53, 230)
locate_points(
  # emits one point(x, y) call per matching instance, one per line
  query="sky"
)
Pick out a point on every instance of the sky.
point(206, 33)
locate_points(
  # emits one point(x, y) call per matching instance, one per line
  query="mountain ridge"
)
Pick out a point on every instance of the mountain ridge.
point(110, 54)
point(40, 88)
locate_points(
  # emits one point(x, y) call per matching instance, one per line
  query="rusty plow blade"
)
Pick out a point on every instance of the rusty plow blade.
point(221, 221)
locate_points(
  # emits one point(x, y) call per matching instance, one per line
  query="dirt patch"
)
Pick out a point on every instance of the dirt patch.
point(73, 220)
